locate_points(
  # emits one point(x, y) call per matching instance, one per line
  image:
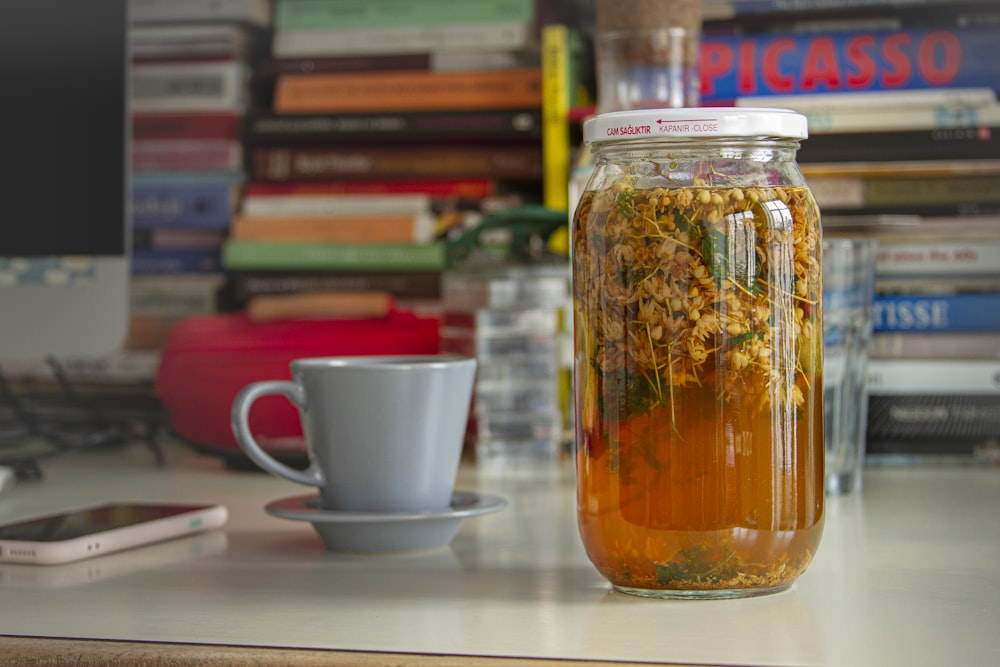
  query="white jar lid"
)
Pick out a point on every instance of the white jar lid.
point(695, 122)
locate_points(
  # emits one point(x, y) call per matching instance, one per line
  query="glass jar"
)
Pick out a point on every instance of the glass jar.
point(646, 53)
point(698, 353)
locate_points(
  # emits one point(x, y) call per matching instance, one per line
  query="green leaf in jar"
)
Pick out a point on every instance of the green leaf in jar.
point(625, 203)
point(714, 248)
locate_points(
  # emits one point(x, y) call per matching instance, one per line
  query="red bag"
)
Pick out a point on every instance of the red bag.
point(206, 360)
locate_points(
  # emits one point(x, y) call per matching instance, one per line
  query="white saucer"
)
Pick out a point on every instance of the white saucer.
point(385, 532)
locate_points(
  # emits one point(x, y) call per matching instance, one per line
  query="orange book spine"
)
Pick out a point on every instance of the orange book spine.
point(343, 229)
point(409, 90)
point(331, 304)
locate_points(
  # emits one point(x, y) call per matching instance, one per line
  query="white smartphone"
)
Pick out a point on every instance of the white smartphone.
point(90, 570)
point(86, 532)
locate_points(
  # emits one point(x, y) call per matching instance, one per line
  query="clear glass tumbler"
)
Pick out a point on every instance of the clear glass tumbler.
point(848, 293)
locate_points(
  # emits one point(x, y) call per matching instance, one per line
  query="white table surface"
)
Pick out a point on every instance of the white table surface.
point(908, 573)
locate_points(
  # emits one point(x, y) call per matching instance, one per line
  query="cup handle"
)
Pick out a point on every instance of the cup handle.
point(240, 421)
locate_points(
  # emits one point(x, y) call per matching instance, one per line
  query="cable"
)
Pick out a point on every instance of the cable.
point(28, 435)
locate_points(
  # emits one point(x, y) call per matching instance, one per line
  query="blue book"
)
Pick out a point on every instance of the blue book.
point(788, 63)
point(190, 205)
point(721, 9)
point(937, 312)
point(160, 261)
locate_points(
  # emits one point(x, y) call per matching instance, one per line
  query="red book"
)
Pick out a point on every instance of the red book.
point(148, 125)
point(466, 188)
point(186, 155)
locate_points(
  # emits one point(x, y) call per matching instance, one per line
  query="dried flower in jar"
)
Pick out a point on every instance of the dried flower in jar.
point(699, 347)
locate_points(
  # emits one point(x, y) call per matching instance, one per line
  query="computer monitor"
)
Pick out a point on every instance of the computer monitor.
point(64, 195)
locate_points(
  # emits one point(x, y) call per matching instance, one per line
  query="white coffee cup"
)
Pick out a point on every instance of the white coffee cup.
point(384, 433)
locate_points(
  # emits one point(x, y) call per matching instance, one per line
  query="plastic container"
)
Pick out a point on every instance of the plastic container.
point(506, 301)
point(698, 353)
point(207, 359)
point(511, 318)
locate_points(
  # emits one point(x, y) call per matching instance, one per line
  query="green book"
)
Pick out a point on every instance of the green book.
point(240, 254)
point(326, 14)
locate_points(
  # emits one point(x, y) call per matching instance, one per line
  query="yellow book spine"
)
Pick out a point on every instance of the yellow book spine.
point(555, 41)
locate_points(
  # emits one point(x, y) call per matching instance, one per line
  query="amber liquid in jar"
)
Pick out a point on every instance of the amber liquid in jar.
point(698, 386)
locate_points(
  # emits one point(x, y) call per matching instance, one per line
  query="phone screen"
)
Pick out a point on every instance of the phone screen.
point(77, 523)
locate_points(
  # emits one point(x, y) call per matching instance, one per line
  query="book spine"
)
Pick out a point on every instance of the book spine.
point(556, 55)
point(165, 11)
point(400, 126)
point(336, 204)
point(401, 228)
point(175, 296)
point(958, 143)
point(939, 284)
point(490, 36)
point(408, 91)
point(724, 9)
point(207, 41)
point(243, 285)
point(185, 155)
point(312, 15)
point(189, 87)
point(900, 377)
point(901, 167)
point(959, 190)
point(734, 66)
point(915, 118)
point(909, 427)
point(229, 178)
point(238, 254)
point(468, 188)
point(456, 61)
point(173, 237)
point(270, 67)
point(147, 331)
point(921, 344)
point(185, 126)
point(203, 206)
point(865, 101)
point(266, 308)
point(946, 312)
point(904, 193)
point(936, 210)
point(899, 259)
point(149, 262)
point(186, 34)
point(499, 162)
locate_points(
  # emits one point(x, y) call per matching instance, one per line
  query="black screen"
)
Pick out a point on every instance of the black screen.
point(63, 67)
point(89, 521)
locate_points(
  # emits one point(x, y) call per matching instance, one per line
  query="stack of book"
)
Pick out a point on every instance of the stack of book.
point(190, 89)
point(901, 97)
point(934, 367)
point(390, 124)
